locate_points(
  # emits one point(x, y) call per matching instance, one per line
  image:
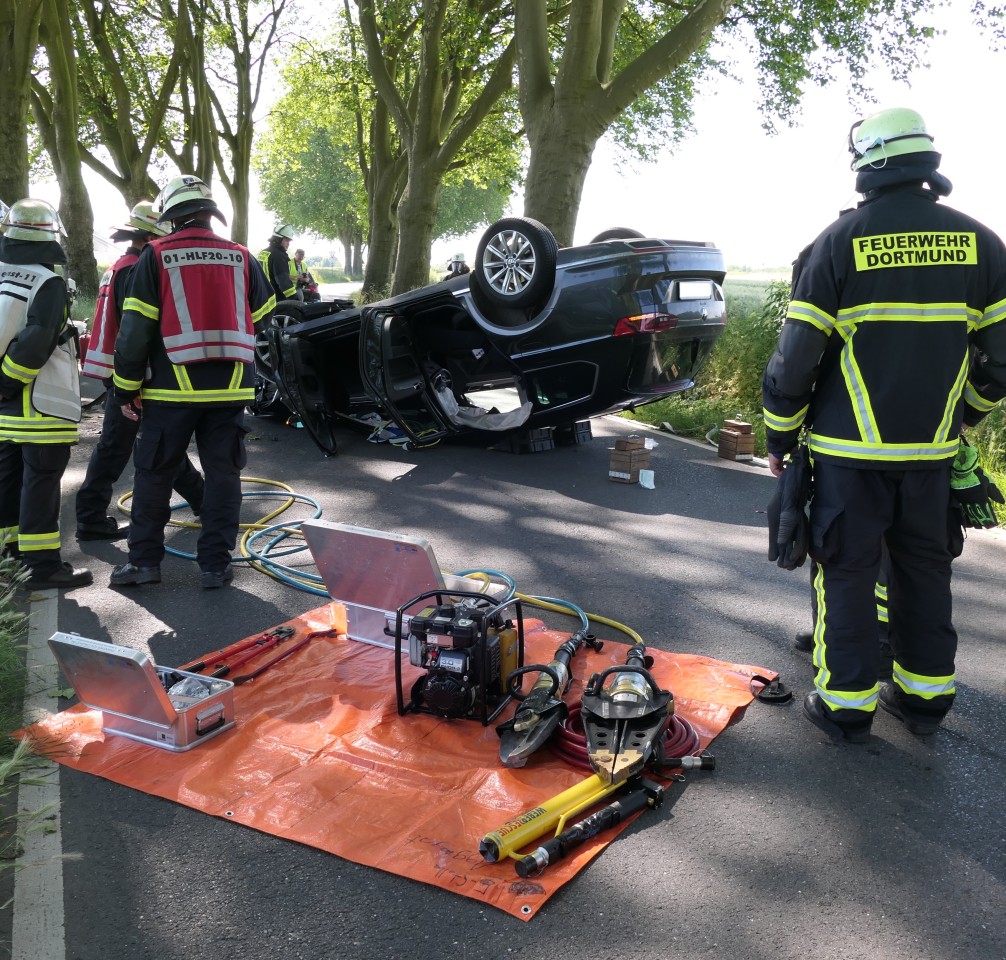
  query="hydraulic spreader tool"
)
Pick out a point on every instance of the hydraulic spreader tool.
point(629, 726)
point(542, 709)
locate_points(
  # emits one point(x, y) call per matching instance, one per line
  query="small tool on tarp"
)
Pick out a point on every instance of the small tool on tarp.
point(238, 654)
point(642, 795)
point(542, 709)
point(225, 653)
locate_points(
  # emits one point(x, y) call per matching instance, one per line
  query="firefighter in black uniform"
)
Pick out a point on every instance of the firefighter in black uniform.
point(275, 260)
point(118, 433)
point(190, 313)
point(894, 337)
point(39, 392)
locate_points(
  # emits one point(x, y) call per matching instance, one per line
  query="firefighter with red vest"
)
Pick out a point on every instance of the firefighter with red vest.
point(183, 367)
point(894, 340)
point(118, 433)
point(39, 392)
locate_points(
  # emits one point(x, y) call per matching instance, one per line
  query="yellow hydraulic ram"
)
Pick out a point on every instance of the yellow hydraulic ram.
point(552, 814)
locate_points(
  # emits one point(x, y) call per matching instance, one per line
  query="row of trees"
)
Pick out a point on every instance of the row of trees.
point(404, 119)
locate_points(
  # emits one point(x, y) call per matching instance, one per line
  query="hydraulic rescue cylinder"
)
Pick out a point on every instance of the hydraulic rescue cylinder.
point(552, 814)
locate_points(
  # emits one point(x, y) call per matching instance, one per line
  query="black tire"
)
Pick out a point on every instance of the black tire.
point(515, 263)
point(618, 233)
point(286, 314)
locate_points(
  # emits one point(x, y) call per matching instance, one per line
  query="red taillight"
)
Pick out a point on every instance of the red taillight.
point(646, 323)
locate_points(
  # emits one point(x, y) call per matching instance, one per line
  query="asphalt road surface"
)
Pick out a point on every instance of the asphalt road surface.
point(794, 847)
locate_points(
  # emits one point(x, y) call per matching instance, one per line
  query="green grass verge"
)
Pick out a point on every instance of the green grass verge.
point(13, 670)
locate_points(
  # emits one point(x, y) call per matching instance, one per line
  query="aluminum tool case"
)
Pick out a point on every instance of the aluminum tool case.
point(131, 692)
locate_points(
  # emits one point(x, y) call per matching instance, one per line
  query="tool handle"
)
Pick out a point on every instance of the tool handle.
point(225, 652)
point(283, 654)
point(548, 682)
point(559, 847)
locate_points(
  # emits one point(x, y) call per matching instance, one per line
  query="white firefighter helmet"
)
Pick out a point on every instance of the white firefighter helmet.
point(284, 231)
point(31, 219)
point(887, 134)
point(143, 219)
point(184, 196)
point(142, 222)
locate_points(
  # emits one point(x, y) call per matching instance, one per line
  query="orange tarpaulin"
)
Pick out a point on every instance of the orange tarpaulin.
point(320, 755)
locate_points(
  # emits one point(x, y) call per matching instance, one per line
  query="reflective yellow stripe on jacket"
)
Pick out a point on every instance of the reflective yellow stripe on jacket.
point(870, 444)
point(186, 393)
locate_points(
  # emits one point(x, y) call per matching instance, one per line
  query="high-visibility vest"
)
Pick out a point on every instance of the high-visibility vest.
point(204, 312)
point(50, 406)
point(100, 359)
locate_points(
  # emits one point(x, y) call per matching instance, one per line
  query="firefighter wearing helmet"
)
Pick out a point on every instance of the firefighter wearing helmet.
point(456, 266)
point(894, 340)
point(184, 366)
point(275, 260)
point(39, 392)
point(118, 433)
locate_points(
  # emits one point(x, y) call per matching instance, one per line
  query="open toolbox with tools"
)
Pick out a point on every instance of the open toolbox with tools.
point(134, 694)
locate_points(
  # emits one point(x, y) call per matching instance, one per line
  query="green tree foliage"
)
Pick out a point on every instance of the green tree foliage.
point(634, 67)
point(56, 108)
point(242, 37)
point(322, 155)
point(308, 162)
point(440, 69)
point(128, 68)
point(466, 205)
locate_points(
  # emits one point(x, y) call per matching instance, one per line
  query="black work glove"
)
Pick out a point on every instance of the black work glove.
point(973, 490)
point(788, 525)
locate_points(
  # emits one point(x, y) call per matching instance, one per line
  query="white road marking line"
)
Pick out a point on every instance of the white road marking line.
point(38, 932)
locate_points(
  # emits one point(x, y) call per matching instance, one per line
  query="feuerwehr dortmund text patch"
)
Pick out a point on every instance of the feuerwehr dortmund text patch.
point(914, 250)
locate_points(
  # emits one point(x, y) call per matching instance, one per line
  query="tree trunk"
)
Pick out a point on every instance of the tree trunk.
point(417, 217)
point(560, 156)
point(75, 208)
point(356, 272)
point(74, 204)
point(565, 119)
point(382, 201)
point(19, 21)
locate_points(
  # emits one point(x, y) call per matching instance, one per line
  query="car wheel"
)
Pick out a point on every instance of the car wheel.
point(286, 314)
point(515, 263)
point(618, 233)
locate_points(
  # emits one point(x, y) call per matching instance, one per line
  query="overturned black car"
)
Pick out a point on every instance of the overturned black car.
point(534, 338)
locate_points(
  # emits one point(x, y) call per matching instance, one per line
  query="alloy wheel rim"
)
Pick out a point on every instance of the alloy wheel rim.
point(509, 262)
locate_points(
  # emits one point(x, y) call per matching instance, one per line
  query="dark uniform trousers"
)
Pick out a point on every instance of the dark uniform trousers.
point(38, 468)
point(851, 513)
point(165, 432)
point(109, 459)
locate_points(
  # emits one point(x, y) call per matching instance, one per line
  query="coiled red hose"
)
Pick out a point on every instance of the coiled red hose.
point(570, 743)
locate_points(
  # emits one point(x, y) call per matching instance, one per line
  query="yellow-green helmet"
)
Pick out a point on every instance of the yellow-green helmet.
point(184, 196)
point(143, 218)
point(889, 133)
point(142, 223)
point(31, 219)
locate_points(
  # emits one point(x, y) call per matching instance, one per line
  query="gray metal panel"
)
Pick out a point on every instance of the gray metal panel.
point(113, 679)
point(371, 572)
